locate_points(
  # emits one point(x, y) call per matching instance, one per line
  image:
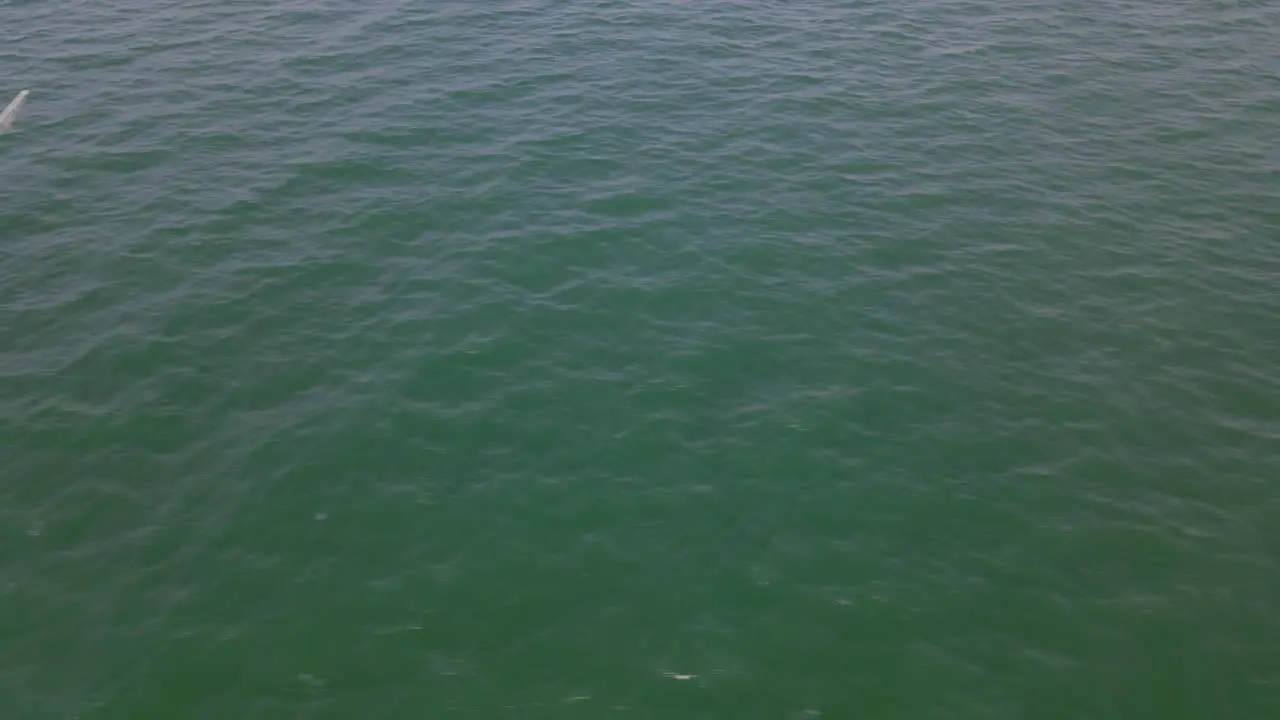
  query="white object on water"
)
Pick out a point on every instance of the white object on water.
point(11, 111)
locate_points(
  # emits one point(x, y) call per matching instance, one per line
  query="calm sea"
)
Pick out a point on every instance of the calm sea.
point(652, 359)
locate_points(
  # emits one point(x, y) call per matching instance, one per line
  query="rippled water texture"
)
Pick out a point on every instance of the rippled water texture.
point(642, 359)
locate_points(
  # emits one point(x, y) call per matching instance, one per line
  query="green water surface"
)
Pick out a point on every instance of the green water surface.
point(593, 359)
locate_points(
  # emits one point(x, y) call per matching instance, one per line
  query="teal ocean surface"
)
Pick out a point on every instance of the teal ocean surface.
point(673, 360)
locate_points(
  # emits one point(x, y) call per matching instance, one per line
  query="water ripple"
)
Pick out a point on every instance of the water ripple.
point(583, 357)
